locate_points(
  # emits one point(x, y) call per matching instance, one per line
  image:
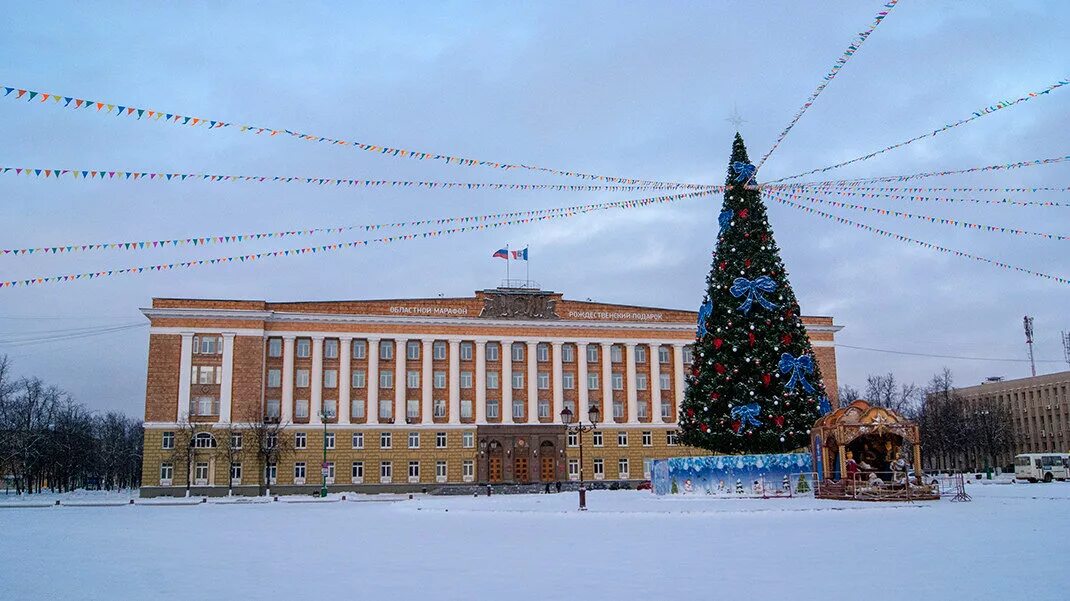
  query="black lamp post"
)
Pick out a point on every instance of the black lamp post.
point(578, 430)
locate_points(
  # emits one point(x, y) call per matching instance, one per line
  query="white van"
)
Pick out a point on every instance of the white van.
point(1046, 467)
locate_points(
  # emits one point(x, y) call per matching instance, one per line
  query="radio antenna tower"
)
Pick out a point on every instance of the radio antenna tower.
point(1027, 321)
point(1066, 347)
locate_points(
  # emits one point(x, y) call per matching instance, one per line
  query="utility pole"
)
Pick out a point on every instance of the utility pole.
point(1027, 321)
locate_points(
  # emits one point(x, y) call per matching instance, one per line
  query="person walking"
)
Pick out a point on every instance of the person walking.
point(557, 485)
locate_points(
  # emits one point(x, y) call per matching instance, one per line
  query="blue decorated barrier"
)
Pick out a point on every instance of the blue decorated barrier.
point(733, 475)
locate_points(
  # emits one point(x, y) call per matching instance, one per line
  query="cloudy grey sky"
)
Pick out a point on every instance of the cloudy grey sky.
point(620, 88)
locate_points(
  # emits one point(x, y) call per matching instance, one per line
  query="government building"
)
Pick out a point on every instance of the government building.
point(413, 394)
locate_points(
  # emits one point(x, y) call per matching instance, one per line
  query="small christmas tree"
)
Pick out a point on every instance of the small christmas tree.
point(754, 385)
point(803, 485)
point(675, 489)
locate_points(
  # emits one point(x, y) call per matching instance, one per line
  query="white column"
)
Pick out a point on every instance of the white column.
point(507, 381)
point(185, 374)
point(481, 382)
point(316, 401)
point(607, 383)
point(633, 394)
point(372, 381)
point(401, 381)
point(345, 378)
point(455, 381)
point(426, 382)
point(533, 384)
point(654, 356)
point(226, 381)
point(286, 415)
point(559, 391)
point(678, 374)
point(583, 403)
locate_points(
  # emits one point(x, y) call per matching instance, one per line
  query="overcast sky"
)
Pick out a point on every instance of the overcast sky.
point(626, 89)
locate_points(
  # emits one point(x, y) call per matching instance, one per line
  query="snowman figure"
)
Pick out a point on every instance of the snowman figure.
point(739, 486)
point(688, 486)
point(786, 485)
point(721, 488)
point(757, 487)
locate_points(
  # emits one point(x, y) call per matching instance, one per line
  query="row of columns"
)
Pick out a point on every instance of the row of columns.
point(426, 384)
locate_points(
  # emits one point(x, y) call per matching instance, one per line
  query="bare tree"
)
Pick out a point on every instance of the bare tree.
point(942, 422)
point(848, 394)
point(184, 451)
point(885, 391)
point(990, 428)
point(270, 441)
point(231, 448)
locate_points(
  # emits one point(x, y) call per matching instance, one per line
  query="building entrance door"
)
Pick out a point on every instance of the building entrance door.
point(520, 470)
point(495, 469)
point(546, 471)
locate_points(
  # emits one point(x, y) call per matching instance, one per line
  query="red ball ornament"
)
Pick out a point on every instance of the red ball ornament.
point(786, 339)
point(717, 342)
point(779, 421)
point(704, 428)
point(691, 413)
point(744, 213)
point(719, 368)
point(751, 338)
point(736, 425)
point(714, 396)
point(766, 379)
point(746, 263)
point(722, 265)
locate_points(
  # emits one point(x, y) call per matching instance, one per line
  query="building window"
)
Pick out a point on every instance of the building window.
point(573, 439)
point(386, 379)
point(299, 472)
point(664, 381)
point(328, 441)
point(468, 440)
point(412, 408)
point(301, 408)
point(493, 351)
point(518, 351)
point(272, 440)
point(468, 470)
point(670, 438)
point(568, 380)
point(440, 471)
point(386, 349)
point(622, 439)
point(300, 440)
point(414, 471)
point(599, 469)
point(648, 468)
point(271, 473)
point(274, 347)
point(360, 378)
point(466, 379)
point(568, 353)
point(357, 476)
point(542, 352)
point(573, 469)
point(440, 440)
point(518, 380)
point(492, 380)
point(168, 440)
point(356, 408)
point(328, 478)
point(386, 472)
point(207, 345)
point(596, 438)
point(615, 354)
point(622, 468)
point(492, 408)
point(666, 410)
point(466, 408)
point(618, 409)
point(438, 350)
point(206, 374)
point(518, 409)
point(235, 473)
point(544, 408)
point(544, 380)
point(330, 348)
point(360, 349)
point(412, 349)
point(414, 440)
point(648, 438)
point(412, 379)
point(200, 473)
point(439, 378)
point(466, 351)
point(304, 347)
point(236, 440)
point(385, 441)
point(640, 381)
point(592, 381)
point(330, 378)
point(439, 406)
point(592, 353)
point(663, 354)
point(689, 354)
point(640, 354)
point(301, 379)
point(618, 381)
point(358, 440)
point(167, 473)
point(572, 407)
point(204, 406)
point(274, 378)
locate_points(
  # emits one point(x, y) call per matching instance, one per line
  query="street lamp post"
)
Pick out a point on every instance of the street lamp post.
point(578, 430)
point(323, 468)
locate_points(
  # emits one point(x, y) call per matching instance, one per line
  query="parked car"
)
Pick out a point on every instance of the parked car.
point(644, 485)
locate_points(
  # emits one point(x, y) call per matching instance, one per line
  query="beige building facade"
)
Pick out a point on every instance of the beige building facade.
point(412, 394)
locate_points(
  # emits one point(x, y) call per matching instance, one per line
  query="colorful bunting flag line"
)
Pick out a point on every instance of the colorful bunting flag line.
point(988, 110)
point(775, 195)
point(848, 183)
point(34, 281)
point(901, 190)
point(865, 193)
point(996, 229)
point(213, 124)
point(252, 237)
point(852, 49)
point(118, 175)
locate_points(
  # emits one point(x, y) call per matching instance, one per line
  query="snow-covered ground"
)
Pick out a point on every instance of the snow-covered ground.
point(1011, 542)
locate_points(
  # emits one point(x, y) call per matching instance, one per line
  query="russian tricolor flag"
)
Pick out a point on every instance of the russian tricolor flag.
point(502, 253)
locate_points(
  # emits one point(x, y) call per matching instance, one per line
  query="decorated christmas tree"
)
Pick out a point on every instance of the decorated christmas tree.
point(754, 386)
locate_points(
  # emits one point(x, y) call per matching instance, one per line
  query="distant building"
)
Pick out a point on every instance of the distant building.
point(1039, 408)
point(411, 393)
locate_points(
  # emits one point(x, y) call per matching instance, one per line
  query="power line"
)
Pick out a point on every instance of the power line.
point(936, 356)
